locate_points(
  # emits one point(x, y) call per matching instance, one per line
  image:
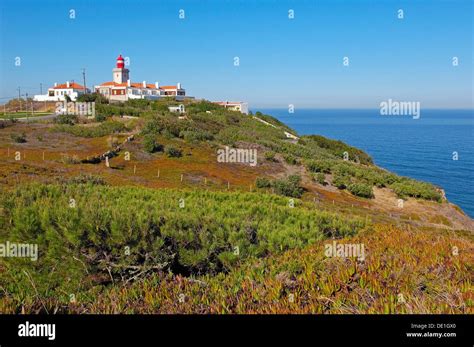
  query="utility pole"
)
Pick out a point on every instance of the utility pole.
point(26, 106)
point(19, 99)
point(41, 88)
point(84, 78)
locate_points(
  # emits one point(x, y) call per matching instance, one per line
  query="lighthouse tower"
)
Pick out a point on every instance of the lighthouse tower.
point(120, 73)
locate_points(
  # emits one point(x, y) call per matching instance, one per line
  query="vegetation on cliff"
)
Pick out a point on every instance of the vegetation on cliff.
point(202, 248)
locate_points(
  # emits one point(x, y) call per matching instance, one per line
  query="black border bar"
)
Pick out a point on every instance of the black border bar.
point(294, 330)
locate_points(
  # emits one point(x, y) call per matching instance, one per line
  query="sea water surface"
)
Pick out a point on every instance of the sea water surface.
point(419, 148)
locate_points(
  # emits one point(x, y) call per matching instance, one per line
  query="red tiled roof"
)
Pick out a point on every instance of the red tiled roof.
point(113, 84)
point(132, 84)
point(73, 85)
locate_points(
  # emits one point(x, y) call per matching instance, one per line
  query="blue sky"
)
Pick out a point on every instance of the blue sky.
point(282, 61)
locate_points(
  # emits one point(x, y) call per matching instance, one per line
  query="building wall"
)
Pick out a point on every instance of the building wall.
point(118, 97)
point(59, 95)
point(104, 91)
point(244, 108)
point(120, 75)
point(240, 107)
point(141, 93)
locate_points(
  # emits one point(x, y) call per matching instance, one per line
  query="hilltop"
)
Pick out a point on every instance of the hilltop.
point(200, 228)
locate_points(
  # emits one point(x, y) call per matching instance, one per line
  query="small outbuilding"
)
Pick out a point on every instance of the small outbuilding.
point(177, 109)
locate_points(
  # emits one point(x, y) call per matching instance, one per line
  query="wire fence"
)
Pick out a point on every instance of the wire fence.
point(123, 169)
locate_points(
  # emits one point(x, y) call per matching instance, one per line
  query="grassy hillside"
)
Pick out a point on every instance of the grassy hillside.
point(392, 279)
point(205, 122)
point(170, 229)
point(119, 234)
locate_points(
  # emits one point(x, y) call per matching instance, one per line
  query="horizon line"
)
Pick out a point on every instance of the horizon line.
point(354, 108)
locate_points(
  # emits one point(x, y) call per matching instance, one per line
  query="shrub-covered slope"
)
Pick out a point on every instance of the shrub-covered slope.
point(89, 234)
point(203, 248)
point(205, 122)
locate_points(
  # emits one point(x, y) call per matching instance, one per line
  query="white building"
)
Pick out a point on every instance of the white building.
point(122, 89)
point(242, 107)
point(178, 109)
point(59, 92)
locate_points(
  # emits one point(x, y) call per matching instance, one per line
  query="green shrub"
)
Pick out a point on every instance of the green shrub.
point(107, 110)
point(361, 189)
point(150, 144)
point(320, 178)
point(290, 159)
point(416, 189)
point(289, 186)
point(168, 126)
point(196, 135)
point(373, 177)
point(138, 103)
point(18, 138)
point(159, 106)
point(173, 152)
point(100, 118)
point(105, 128)
point(270, 156)
point(340, 180)
point(338, 148)
point(319, 166)
point(203, 106)
point(68, 119)
point(263, 182)
point(92, 97)
point(152, 126)
point(228, 136)
point(346, 168)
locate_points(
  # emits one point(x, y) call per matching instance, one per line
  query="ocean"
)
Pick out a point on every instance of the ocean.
point(419, 148)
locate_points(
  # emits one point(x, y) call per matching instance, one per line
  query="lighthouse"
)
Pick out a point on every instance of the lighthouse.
point(121, 88)
point(120, 72)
